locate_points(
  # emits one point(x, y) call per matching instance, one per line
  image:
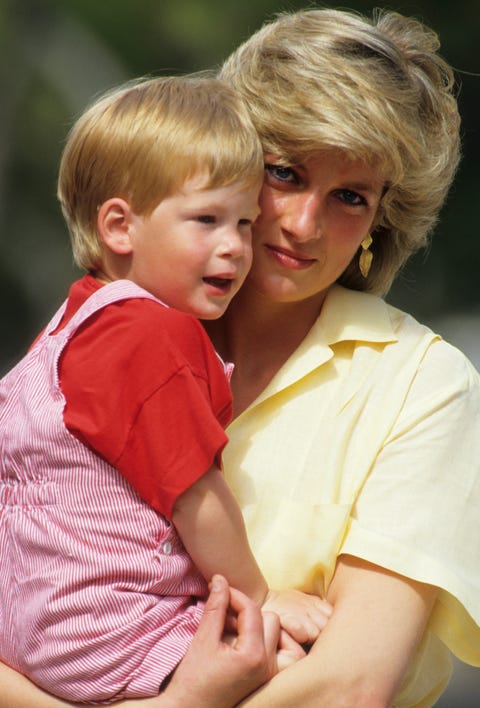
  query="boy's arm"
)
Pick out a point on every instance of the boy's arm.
point(210, 524)
point(211, 527)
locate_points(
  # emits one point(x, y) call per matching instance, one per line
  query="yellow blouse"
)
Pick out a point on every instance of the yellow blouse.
point(367, 442)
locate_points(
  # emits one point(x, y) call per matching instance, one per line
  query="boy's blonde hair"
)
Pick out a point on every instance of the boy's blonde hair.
point(142, 141)
point(377, 90)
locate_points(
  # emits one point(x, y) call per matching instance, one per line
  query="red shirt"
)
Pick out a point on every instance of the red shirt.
point(146, 391)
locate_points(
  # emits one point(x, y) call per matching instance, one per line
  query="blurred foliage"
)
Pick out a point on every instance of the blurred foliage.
point(56, 55)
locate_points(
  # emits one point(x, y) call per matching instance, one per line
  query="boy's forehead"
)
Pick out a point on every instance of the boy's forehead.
point(199, 181)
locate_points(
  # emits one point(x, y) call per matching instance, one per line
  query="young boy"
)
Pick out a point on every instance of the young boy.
point(112, 426)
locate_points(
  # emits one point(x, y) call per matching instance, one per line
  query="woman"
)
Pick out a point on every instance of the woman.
point(358, 458)
point(355, 453)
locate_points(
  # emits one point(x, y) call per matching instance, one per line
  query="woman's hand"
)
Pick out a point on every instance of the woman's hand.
point(218, 673)
point(289, 651)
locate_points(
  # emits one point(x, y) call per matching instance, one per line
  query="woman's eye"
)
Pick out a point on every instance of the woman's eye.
point(351, 198)
point(245, 222)
point(281, 173)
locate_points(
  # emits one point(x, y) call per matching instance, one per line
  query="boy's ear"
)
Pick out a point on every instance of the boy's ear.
point(114, 224)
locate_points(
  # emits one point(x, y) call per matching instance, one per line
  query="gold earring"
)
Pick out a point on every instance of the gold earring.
point(366, 256)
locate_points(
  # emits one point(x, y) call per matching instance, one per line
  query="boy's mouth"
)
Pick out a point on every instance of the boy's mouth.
point(222, 284)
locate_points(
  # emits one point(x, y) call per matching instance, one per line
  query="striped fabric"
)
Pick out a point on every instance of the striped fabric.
point(95, 587)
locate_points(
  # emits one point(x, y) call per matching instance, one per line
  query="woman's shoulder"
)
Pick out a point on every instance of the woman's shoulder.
point(442, 358)
point(401, 345)
point(349, 315)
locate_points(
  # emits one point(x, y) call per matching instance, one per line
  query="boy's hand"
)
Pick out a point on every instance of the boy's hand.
point(302, 616)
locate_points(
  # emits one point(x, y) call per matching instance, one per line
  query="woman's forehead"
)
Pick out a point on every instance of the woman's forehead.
point(371, 167)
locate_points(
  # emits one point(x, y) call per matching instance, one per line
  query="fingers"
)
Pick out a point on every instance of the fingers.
point(289, 651)
point(257, 635)
point(302, 615)
point(303, 629)
point(319, 612)
point(271, 638)
point(215, 611)
point(271, 631)
point(249, 620)
point(287, 643)
point(224, 670)
point(321, 608)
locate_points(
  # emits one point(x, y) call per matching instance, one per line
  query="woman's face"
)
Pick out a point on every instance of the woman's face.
point(313, 219)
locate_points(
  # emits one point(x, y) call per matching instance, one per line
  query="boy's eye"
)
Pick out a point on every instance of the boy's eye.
point(206, 219)
point(245, 222)
point(281, 173)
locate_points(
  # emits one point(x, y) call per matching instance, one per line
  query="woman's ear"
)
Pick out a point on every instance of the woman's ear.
point(115, 224)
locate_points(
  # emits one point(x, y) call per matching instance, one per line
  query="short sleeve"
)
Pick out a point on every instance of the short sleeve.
point(175, 439)
point(418, 513)
point(146, 391)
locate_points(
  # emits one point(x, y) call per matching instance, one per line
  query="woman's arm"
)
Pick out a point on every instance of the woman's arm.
point(362, 655)
point(212, 674)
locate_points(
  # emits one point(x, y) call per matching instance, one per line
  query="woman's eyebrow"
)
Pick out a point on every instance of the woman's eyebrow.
point(365, 186)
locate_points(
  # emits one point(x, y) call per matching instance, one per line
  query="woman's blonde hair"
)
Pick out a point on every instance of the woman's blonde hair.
point(142, 141)
point(375, 89)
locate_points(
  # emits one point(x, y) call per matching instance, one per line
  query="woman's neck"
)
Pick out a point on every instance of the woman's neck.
point(259, 335)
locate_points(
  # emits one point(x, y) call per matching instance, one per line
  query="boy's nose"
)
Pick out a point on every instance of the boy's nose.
point(233, 243)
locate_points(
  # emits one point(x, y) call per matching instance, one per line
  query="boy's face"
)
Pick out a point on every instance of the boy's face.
point(194, 251)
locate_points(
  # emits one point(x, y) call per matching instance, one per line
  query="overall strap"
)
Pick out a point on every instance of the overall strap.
point(55, 321)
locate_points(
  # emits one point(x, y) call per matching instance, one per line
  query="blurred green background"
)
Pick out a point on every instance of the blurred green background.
point(56, 55)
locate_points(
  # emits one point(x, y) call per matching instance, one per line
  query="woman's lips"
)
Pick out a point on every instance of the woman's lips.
point(289, 259)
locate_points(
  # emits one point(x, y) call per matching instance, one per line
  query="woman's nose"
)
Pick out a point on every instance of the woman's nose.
point(303, 217)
